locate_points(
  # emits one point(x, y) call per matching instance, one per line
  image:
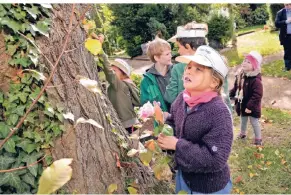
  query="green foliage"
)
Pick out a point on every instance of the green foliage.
point(259, 15)
point(219, 29)
point(43, 123)
point(136, 79)
point(140, 23)
point(272, 10)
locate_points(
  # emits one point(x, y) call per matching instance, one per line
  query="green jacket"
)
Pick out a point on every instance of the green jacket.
point(176, 83)
point(122, 94)
point(149, 91)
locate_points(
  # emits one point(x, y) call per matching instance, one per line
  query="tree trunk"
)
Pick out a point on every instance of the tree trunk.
point(92, 149)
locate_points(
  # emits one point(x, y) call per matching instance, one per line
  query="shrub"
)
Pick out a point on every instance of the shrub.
point(219, 30)
point(273, 9)
point(136, 79)
point(259, 16)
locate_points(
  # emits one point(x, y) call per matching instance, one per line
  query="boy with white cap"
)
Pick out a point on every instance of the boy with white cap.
point(122, 92)
point(248, 93)
point(203, 126)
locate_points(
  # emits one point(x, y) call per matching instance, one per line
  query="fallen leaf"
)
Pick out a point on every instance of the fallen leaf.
point(238, 179)
point(250, 166)
point(182, 192)
point(251, 175)
point(268, 163)
point(273, 102)
point(283, 161)
point(277, 152)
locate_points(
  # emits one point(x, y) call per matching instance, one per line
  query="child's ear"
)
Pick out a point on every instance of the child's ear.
point(156, 58)
point(214, 83)
point(188, 46)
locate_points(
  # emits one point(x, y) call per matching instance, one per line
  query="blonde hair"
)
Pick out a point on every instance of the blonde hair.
point(156, 48)
point(218, 76)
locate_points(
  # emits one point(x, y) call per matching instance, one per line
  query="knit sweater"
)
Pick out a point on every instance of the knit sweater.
point(205, 137)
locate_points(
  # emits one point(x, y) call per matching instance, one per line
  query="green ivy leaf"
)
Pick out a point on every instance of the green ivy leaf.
point(4, 130)
point(10, 146)
point(12, 119)
point(15, 181)
point(29, 179)
point(19, 110)
point(33, 11)
point(3, 179)
point(3, 12)
point(1, 97)
point(42, 27)
point(24, 62)
point(27, 79)
point(28, 134)
point(27, 145)
point(6, 161)
point(11, 49)
point(23, 97)
point(14, 25)
point(29, 160)
point(18, 14)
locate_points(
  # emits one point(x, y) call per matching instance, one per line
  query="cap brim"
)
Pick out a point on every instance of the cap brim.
point(120, 66)
point(173, 39)
point(195, 58)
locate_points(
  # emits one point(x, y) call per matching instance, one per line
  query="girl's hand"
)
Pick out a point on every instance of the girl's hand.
point(167, 142)
point(248, 111)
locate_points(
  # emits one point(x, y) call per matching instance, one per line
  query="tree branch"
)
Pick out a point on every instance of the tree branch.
point(24, 167)
point(46, 83)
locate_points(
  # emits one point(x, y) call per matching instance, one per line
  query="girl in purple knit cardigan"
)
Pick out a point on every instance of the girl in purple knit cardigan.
point(203, 126)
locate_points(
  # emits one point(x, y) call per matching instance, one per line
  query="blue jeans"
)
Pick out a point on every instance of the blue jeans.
point(181, 185)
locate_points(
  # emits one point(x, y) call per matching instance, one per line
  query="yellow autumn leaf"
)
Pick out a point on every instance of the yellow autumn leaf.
point(268, 163)
point(250, 166)
point(88, 24)
point(132, 190)
point(163, 172)
point(182, 192)
point(55, 176)
point(277, 152)
point(146, 157)
point(112, 188)
point(94, 46)
point(251, 175)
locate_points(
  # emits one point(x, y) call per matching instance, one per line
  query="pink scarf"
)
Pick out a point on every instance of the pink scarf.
point(195, 100)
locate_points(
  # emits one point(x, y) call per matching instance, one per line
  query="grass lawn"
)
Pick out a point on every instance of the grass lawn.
point(266, 169)
point(264, 42)
point(249, 29)
point(275, 69)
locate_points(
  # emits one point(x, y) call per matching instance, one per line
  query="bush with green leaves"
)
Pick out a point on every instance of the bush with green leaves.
point(273, 9)
point(219, 28)
point(259, 15)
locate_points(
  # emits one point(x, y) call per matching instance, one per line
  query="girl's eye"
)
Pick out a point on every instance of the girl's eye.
point(198, 69)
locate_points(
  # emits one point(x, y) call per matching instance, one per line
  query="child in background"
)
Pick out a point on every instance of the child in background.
point(203, 126)
point(153, 85)
point(188, 39)
point(248, 93)
point(122, 92)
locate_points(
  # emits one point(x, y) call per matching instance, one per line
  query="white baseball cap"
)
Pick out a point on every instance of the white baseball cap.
point(123, 65)
point(206, 56)
point(192, 29)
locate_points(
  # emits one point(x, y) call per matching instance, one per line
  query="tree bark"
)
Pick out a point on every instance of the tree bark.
point(92, 149)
